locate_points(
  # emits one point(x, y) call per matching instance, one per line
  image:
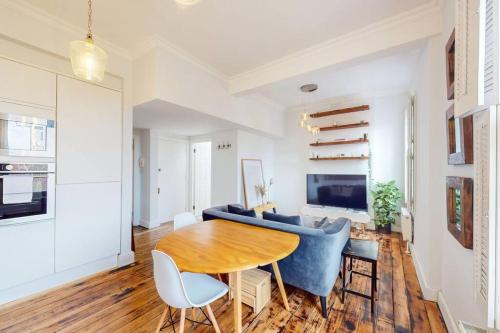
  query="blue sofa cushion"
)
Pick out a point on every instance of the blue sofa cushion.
point(320, 223)
point(238, 209)
point(335, 226)
point(295, 220)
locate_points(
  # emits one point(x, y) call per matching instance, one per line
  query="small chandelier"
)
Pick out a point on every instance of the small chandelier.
point(304, 117)
point(87, 59)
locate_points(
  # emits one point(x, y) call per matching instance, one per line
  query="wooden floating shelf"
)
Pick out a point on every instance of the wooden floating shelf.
point(340, 111)
point(346, 126)
point(340, 142)
point(339, 158)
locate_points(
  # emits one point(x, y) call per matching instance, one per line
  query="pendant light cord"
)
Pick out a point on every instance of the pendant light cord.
point(89, 25)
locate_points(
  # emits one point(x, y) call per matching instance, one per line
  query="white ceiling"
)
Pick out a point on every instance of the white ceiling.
point(232, 36)
point(173, 119)
point(387, 74)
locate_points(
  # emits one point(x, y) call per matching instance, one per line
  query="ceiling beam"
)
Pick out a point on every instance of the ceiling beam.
point(408, 27)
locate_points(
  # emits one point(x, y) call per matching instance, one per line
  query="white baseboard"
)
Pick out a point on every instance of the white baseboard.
point(149, 224)
point(450, 322)
point(125, 259)
point(429, 293)
point(57, 279)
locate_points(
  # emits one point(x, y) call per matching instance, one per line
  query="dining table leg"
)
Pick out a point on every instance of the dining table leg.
point(236, 277)
point(277, 274)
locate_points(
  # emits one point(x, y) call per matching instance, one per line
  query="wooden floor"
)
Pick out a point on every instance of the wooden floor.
point(125, 300)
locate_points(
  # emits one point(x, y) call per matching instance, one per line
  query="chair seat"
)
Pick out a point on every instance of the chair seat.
point(203, 289)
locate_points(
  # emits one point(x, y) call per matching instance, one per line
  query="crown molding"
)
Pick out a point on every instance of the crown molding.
point(57, 23)
point(156, 41)
point(418, 23)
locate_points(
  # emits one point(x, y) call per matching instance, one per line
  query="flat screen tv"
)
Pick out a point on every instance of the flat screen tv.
point(346, 191)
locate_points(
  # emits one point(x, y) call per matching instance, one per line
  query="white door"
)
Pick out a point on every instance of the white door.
point(202, 176)
point(172, 178)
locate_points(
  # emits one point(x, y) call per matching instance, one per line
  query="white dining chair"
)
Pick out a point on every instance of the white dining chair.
point(183, 220)
point(184, 290)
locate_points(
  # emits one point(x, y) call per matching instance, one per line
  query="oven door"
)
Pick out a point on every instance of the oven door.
point(26, 197)
point(26, 136)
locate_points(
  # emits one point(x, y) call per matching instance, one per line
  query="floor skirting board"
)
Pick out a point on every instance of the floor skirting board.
point(429, 293)
point(450, 322)
point(57, 279)
point(125, 259)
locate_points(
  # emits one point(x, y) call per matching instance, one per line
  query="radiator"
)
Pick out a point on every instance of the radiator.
point(406, 225)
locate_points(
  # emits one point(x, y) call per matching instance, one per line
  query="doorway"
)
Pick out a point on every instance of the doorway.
point(202, 176)
point(172, 178)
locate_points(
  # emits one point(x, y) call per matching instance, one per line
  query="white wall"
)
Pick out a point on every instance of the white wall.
point(386, 135)
point(227, 182)
point(160, 73)
point(444, 267)
point(254, 146)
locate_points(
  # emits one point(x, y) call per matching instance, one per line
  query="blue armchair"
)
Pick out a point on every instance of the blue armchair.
point(315, 264)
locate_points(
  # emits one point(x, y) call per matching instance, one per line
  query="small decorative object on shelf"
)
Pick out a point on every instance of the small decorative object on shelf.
point(365, 136)
point(345, 126)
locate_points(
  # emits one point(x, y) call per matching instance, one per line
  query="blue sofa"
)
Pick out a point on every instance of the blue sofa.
point(315, 264)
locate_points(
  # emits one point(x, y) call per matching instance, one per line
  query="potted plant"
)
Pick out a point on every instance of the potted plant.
point(386, 200)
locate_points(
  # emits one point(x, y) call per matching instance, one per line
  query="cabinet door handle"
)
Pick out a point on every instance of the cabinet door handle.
point(158, 190)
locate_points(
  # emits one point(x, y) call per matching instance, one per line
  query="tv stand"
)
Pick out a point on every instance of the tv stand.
point(332, 213)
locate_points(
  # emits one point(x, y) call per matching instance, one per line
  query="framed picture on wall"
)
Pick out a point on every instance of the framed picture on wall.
point(459, 132)
point(459, 203)
point(253, 177)
point(450, 66)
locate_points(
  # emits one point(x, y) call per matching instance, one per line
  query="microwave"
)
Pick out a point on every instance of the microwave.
point(22, 135)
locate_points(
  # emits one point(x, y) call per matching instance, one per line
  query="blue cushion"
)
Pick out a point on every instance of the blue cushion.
point(295, 220)
point(238, 209)
point(335, 226)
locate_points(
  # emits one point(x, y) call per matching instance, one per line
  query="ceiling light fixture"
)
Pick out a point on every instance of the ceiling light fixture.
point(304, 117)
point(87, 59)
point(187, 2)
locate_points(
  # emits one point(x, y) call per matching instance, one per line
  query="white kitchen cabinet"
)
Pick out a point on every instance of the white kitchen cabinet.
point(26, 252)
point(87, 223)
point(89, 132)
point(26, 84)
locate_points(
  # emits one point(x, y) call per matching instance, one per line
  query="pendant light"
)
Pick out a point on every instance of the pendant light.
point(87, 59)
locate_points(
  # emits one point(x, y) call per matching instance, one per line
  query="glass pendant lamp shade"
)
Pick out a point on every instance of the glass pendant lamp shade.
point(88, 60)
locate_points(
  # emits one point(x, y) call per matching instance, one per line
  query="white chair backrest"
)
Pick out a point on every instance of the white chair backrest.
point(168, 281)
point(183, 220)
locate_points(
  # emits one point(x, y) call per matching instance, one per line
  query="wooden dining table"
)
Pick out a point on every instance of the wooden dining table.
point(220, 246)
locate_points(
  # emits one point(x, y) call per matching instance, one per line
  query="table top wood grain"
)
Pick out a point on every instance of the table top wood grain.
point(220, 246)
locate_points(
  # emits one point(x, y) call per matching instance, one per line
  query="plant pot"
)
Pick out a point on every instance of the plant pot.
point(385, 229)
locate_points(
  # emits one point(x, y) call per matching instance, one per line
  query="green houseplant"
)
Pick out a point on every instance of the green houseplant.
point(386, 200)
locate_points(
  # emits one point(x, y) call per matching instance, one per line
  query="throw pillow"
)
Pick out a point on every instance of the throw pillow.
point(238, 209)
point(320, 224)
point(294, 220)
point(335, 226)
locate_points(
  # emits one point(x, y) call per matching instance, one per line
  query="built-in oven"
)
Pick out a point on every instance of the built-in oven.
point(27, 192)
point(22, 135)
